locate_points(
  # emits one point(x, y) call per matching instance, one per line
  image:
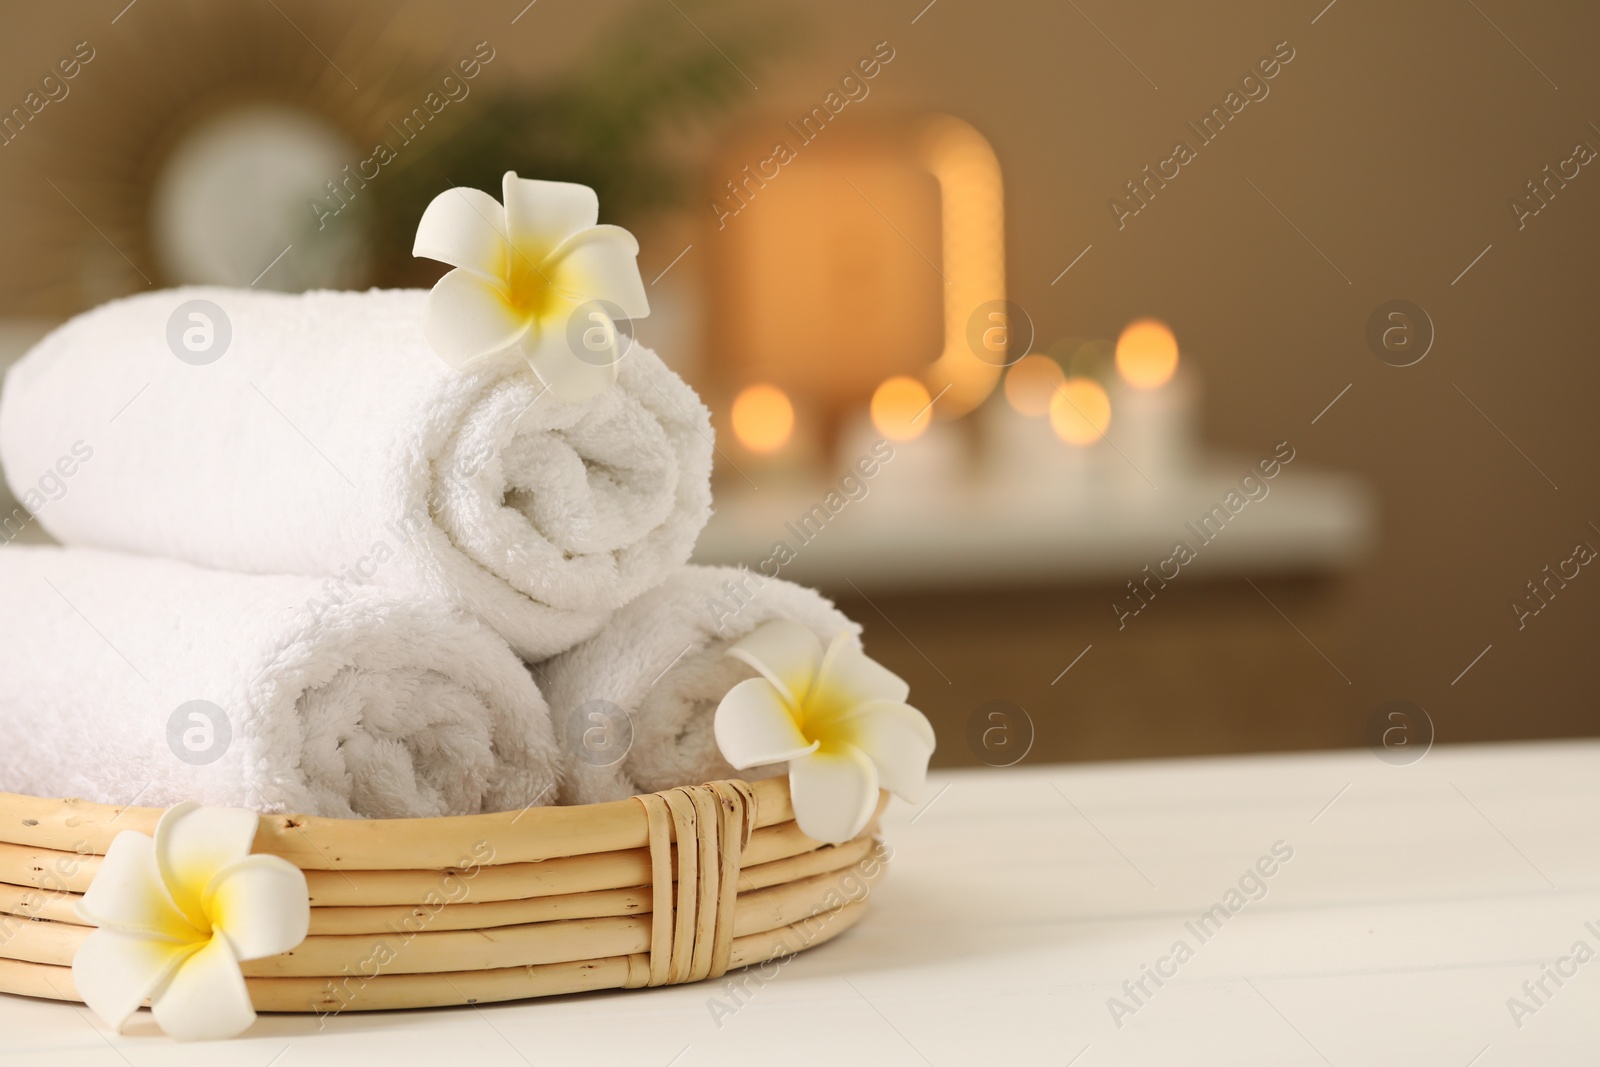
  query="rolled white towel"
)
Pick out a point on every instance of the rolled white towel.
point(633, 706)
point(133, 680)
point(326, 438)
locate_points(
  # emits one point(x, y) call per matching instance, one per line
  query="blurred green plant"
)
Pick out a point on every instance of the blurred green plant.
point(601, 122)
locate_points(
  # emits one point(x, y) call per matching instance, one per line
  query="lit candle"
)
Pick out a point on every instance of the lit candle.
point(1024, 448)
point(1154, 404)
point(1080, 415)
point(770, 443)
point(927, 456)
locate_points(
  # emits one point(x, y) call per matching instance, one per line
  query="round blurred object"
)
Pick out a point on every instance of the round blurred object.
point(900, 408)
point(1147, 353)
point(1080, 411)
point(763, 418)
point(233, 203)
point(1031, 382)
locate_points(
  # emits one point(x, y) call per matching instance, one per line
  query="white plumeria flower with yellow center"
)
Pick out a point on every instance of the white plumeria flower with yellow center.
point(836, 717)
point(536, 276)
point(178, 913)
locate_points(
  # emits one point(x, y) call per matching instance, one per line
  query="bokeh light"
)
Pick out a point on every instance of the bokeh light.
point(1031, 382)
point(1080, 411)
point(900, 408)
point(1147, 353)
point(763, 418)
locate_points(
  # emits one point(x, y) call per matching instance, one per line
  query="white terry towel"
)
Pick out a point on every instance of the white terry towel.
point(328, 439)
point(381, 707)
point(633, 706)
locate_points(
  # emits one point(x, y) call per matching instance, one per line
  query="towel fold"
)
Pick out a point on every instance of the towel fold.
point(132, 680)
point(319, 434)
point(633, 706)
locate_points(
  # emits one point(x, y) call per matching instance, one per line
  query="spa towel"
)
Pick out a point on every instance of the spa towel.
point(129, 680)
point(633, 706)
point(319, 434)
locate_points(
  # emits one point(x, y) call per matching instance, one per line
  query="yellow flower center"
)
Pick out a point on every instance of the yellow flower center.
point(823, 717)
point(528, 291)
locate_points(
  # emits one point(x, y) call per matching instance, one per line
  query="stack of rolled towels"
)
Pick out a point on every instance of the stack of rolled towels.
point(320, 571)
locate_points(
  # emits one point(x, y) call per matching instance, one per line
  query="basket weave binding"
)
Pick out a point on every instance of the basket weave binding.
point(718, 820)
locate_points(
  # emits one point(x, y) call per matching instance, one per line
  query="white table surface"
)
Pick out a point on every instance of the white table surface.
point(1418, 900)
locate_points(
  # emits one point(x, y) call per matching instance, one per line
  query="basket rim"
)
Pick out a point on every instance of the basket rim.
point(313, 842)
point(705, 891)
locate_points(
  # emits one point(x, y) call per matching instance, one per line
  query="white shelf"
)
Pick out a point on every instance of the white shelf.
point(903, 535)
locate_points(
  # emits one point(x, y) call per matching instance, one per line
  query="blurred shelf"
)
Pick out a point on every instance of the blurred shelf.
point(930, 535)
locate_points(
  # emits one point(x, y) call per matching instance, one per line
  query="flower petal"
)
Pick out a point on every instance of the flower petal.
point(464, 228)
point(467, 317)
point(540, 214)
point(834, 793)
point(115, 971)
point(600, 263)
point(850, 678)
point(261, 905)
point(754, 726)
point(899, 740)
point(127, 893)
point(786, 653)
point(568, 377)
point(194, 845)
point(206, 998)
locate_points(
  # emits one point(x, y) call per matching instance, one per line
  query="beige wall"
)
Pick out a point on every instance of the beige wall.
point(1392, 143)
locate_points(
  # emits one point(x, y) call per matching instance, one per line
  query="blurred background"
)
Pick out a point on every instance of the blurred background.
point(1148, 378)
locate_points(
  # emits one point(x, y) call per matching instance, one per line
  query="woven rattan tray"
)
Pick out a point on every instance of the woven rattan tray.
point(671, 887)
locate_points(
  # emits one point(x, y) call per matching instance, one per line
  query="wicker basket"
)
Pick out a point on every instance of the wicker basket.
point(410, 913)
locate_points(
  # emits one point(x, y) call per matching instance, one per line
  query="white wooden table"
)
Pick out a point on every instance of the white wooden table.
point(1417, 902)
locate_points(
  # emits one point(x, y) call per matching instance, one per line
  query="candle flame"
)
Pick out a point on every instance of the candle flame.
point(1147, 354)
point(1080, 411)
point(901, 408)
point(763, 418)
point(1031, 382)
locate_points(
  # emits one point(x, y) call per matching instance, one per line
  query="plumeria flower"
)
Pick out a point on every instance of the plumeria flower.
point(177, 914)
point(837, 718)
point(536, 276)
